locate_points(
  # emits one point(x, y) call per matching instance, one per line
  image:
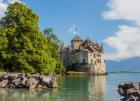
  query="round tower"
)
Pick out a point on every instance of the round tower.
point(75, 43)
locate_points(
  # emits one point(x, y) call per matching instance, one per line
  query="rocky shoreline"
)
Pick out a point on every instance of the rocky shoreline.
point(130, 91)
point(28, 81)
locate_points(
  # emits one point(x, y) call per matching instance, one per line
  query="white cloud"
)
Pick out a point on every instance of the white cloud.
point(126, 41)
point(123, 9)
point(4, 4)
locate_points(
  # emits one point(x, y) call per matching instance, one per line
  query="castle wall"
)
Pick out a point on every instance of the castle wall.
point(103, 63)
point(79, 57)
point(65, 56)
point(94, 63)
point(83, 56)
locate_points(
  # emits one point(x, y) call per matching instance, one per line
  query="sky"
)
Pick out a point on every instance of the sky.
point(115, 23)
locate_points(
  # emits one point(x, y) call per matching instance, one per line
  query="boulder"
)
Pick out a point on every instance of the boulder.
point(12, 76)
point(31, 83)
point(39, 86)
point(24, 80)
point(3, 83)
point(54, 84)
point(18, 83)
point(4, 77)
point(11, 86)
point(130, 91)
point(136, 85)
point(46, 81)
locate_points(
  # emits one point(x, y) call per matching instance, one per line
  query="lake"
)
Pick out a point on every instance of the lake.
point(75, 88)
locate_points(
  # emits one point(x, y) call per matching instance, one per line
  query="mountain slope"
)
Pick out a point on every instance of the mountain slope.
point(131, 65)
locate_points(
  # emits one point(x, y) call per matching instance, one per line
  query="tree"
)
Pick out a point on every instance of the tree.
point(54, 45)
point(23, 46)
point(52, 37)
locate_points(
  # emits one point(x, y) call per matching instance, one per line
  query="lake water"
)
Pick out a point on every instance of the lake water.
point(75, 88)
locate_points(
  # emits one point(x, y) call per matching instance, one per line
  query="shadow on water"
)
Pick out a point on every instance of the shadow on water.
point(71, 88)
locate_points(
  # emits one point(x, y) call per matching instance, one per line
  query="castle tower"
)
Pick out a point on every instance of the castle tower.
point(75, 43)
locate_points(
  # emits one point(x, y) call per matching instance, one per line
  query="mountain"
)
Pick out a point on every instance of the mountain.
point(128, 65)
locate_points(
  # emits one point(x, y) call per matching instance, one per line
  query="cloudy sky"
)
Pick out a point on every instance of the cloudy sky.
point(115, 23)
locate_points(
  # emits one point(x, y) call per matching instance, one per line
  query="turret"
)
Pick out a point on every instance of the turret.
point(75, 43)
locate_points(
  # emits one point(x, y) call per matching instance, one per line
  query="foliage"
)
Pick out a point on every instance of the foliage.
point(60, 69)
point(23, 47)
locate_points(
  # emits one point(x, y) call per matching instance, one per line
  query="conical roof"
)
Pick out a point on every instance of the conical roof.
point(76, 38)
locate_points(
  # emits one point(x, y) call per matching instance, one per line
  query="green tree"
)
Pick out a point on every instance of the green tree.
point(52, 37)
point(23, 47)
point(54, 45)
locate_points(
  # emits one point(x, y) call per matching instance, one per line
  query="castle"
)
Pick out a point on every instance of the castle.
point(83, 56)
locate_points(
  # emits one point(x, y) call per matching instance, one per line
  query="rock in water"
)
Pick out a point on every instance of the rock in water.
point(130, 91)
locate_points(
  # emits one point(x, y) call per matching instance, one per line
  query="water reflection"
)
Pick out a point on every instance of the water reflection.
point(23, 95)
point(97, 87)
point(71, 88)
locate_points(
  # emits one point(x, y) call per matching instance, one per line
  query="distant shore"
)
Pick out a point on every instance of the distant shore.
point(123, 72)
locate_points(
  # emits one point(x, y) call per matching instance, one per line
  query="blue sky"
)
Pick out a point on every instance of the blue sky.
point(115, 23)
point(61, 15)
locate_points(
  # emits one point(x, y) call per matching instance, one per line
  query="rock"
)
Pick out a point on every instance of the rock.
point(44, 87)
point(3, 83)
point(55, 79)
point(130, 91)
point(4, 77)
point(23, 76)
point(54, 85)
point(46, 81)
point(31, 83)
point(133, 98)
point(18, 83)
point(136, 85)
point(36, 76)
point(11, 86)
point(24, 81)
point(39, 86)
point(121, 90)
point(12, 76)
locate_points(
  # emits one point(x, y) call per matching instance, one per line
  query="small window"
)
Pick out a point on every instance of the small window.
point(84, 54)
point(84, 61)
point(99, 61)
point(94, 55)
point(91, 60)
point(95, 63)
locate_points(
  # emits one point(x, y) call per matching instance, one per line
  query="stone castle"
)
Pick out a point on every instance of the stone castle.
point(83, 56)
